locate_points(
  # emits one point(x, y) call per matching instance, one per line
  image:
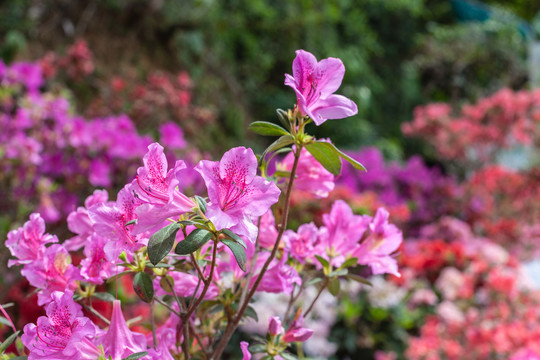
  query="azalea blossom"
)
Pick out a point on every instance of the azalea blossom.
point(237, 195)
point(119, 342)
point(64, 334)
point(157, 189)
point(315, 83)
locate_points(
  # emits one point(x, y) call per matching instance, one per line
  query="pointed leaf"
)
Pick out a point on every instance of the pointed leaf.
point(326, 155)
point(193, 242)
point(136, 355)
point(278, 144)
point(8, 341)
point(161, 243)
point(131, 222)
point(267, 128)
point(334, 285)
point(338, 272)
point(202, 203)
point(359, 279)
point(143, 286)
point(238, 251)
point(104, 296)
point(323, 261)
point(166, 285)
point(235, 237)
point(288, 356)
point(5, 321)
point(283, 118)
point(349, 262)
point(340, 153)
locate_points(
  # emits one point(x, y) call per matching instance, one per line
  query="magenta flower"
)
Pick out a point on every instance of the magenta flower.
point(315, 83)
point(246, 355)
point(157, 189)
point(237, 195)
point(64, 334)
point(268, 232)
point(95, 268)
point(377, 249)
point(279, 278)
point(185, 285)
point(274, 326)
point(311, 176)
point(172, 136)
point(120, 342)
point(28, 242)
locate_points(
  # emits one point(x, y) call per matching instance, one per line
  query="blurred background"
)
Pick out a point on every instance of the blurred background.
point(448, 128)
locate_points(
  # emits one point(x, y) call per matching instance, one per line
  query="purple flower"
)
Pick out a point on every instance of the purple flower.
point(274, 326)
point(64, 334)
point(268, 232)
point(157, 189)
point(28, 242)
point(120, 342)
point(315, 83)
point(236, 193)
point(95, 268)
point(279, 278)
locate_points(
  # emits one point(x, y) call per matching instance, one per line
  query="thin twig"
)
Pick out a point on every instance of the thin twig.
point(170, 308)
point(323, 286)
point(93, 311)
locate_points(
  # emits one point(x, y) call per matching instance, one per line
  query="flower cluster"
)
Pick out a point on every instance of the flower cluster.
point(479, 131)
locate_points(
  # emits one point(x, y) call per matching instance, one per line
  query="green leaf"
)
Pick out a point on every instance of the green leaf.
point(235, 237)
point(104, 296)
point(19, 358)
point(349, 262)
point(8, 341)
point(314, 281)
point(257, 348)
point(202, 203)
point(288, 356)
point(338, 272)
point(326, 155)
point(267, 129)
point(278, 144)
point(283, 118)
point(161, 243)
point(5, 321)
point(334, 285)
point(250, 312)
point(323, 261)
point(136, 355)
point(111, 279)
point(359, 279)
point(238, 251)
point(143, 286)
point(131, 222)
point(186, 222)
point(341, 154)
point(193, 242)
point(165, 284)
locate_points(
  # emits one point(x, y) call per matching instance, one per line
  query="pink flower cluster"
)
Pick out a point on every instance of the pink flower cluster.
point(479, 131)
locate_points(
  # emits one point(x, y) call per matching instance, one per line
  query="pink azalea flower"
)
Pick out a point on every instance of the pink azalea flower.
point(28, 242)
point(246, 355)
point(53, 272)
point(156, 188)
point(172, 136)
point(64, 334)
point(340, 236)
point(120, 342)
point(315, 83)
point(301, 243)
point(268, 232)
point(383, 240)
point(166, 342)
point(237, 194)
point(274, 326)
point(80, 223)
point(279, 278)
point(296, 332)
point(95, 268)
point(109, 221)
point(311, 176)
